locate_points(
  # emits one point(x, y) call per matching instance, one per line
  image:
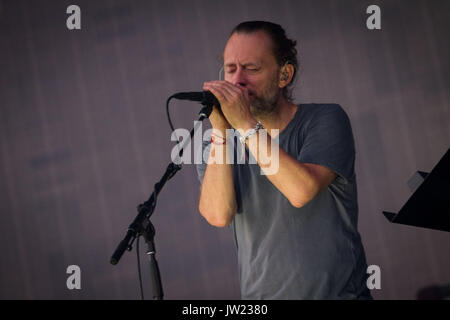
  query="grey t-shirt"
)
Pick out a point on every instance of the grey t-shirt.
point(312, 252)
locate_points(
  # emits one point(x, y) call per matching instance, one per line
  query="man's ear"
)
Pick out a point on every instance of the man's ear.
point(286, 75)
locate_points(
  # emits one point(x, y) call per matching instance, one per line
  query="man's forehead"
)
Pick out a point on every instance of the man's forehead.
point(245, 48)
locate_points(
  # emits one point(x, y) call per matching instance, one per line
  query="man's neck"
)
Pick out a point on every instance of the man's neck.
point(280, 117)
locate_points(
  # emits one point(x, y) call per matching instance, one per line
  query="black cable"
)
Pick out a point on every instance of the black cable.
point(168, 113)
point(170, 123)
point(139, 268)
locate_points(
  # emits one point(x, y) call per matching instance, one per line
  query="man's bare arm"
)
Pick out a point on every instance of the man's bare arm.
point(298, 182)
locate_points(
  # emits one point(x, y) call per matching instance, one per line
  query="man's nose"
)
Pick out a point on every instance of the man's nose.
point(239, 77)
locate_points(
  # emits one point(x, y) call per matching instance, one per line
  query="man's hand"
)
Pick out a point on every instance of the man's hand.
point(235, 103)
point(218, 121)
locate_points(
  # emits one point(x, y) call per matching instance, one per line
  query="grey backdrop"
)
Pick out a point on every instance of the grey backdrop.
point(84, 135)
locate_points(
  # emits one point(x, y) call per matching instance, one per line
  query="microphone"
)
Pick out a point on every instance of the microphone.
point(204, 97)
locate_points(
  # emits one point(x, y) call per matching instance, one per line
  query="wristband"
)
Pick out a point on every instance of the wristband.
point(214, 141)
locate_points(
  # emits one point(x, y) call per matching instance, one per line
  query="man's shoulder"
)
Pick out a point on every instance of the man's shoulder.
point(321, 107)
point(322, 111)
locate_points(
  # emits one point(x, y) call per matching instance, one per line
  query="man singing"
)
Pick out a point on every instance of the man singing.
point(295, 229)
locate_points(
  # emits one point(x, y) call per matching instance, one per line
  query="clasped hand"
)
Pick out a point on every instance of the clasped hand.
point(235, 104)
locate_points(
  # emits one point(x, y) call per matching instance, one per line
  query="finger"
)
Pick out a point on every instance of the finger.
point(233, 90)
point(239, 89)
point(206, 85)
point(228, 92)
point(218, 93)
point(223, 84)
point(231, 87)
point(244, 91)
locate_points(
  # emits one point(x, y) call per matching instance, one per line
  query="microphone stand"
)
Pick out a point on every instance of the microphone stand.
point(142, 226)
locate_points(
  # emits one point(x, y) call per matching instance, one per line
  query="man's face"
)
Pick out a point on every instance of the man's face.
point(249, 62)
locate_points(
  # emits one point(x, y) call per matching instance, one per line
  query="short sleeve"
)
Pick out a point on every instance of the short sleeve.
point(328, 141)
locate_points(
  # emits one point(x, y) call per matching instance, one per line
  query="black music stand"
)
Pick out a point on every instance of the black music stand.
point(429, 205)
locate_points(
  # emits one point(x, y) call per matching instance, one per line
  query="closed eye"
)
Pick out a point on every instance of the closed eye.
point(250, 67)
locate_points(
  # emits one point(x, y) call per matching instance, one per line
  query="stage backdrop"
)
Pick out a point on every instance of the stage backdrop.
point(84, 135)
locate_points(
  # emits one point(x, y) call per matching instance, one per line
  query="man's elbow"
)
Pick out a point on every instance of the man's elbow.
point(217, 222)
point(297, 203)
point(320, 179)
point(217, 219)
point(301, 199)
